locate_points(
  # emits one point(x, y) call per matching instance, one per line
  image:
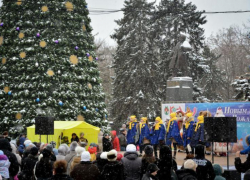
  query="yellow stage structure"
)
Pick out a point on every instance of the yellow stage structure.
point(66, 128)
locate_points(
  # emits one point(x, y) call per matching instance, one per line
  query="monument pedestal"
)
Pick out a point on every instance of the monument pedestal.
point(180, 89)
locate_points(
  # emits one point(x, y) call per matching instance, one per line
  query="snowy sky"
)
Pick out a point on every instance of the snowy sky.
point(104, 25)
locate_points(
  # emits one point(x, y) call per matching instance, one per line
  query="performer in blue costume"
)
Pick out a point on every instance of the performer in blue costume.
point(173, 133)
point(158, 133)
point(144, 138)
point(188, 130)
point(131, 130)
point(199, 132)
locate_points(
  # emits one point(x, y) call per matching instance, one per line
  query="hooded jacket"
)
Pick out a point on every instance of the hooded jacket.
point(4, 166)
point(115, 141)
point(204, 169)
point(242, 167)
point(247, 150)
point(218, 172)
point(5, 147)
point(186, 174)
point(61, 153)
point(166, 163)
point(112, 170)
point(132, 166)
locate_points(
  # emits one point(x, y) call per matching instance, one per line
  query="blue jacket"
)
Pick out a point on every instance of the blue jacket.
point(188, 133)
point(158, 135)
point(247, 150)
point(174, 132)
point(131, 134)
point(145, 133)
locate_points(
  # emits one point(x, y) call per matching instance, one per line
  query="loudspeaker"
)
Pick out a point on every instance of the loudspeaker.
point(44, 125)
point(231, 175)
point(220, 129)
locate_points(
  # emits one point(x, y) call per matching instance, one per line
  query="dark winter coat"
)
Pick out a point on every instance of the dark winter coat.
point(204, 170)
point(147, 176)
point(144, 165)
point(100, 163)
point(166, 164)
point(106, 144)
point(6, 148)
point(157, 135)
point(186, 174)
point(113, 170)
point(60, 177)
point(122, 140)
point(27, 167)
point(132, 166)
point(242, 167)
point(132, 133)
point(44, 169)
point(85, 171)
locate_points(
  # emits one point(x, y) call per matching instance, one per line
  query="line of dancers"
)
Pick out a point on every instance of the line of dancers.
point(140, 133)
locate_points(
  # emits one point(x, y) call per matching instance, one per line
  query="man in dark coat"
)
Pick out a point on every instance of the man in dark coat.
point(242, 167)
point(122, 139)
point(6, 148)
point(113, 169)
point(28, 164)
point(204, 170)
point(85, 170)
point(188, 173)
point(106, 144)
point(131, 163)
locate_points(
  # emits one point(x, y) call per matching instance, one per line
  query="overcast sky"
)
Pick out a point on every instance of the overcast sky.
point(104, 25)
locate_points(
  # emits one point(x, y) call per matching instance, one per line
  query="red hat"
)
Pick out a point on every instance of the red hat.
point(119, 156)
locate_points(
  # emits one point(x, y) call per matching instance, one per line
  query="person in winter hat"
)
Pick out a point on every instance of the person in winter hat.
point(166, 163)
point(101, 160)
point(92, 150)
point(204, 169)
point(85, 170)
point(115, 141)
point(6, 148)
point(218, 170)
point(147, 158)
point(77, 158)
point(106, 144)
point(173, 133)
point(59, 171)
point(131, 163)
point(44, 167)
point(188, 130)
point(28, 165)
point(132, 129)
point(4, 165)
point(113, 169)
point(122, 139)
point(67, 148)
point(144, 134)
point(158, 134)
point(69, 157)
point(188, 172)
point(61, 153)
point(151, 172)
point(50, 148)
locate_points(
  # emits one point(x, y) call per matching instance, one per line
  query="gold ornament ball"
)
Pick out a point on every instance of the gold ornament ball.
point(45, 8)
point(6, 89)
point(22, 55)
point(18, 116)
point(80, 118)
point(73, 59)
point(43, 44)
point(4, 60)
point(50, 73)
point(69, 6)
point(89, 86)
point(83, 27)
point(1, 40)
point(21, 35)
point(90, 58)
point(19, 2)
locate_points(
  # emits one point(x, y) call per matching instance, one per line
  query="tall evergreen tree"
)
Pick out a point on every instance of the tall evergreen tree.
point(135, 84)
point(48, 63)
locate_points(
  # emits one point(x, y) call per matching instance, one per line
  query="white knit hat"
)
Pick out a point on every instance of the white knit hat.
point(131, 148)
point(85, 156)
point(104, 155)
point(190, 164)
point(79, 150)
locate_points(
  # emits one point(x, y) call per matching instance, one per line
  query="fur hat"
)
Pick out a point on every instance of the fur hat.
point(112, 155)
point(34, 151)
point(49, 147)
point(148, 150)
point(131, 148)
point(73, 146)
point(79, 150)
point(85, 156)
point(104, 155)
point(190, 164)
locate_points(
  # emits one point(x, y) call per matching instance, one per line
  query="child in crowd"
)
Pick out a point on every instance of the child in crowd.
point(4, 165)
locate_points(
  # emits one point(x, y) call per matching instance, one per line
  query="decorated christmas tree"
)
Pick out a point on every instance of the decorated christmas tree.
point(48, 65)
